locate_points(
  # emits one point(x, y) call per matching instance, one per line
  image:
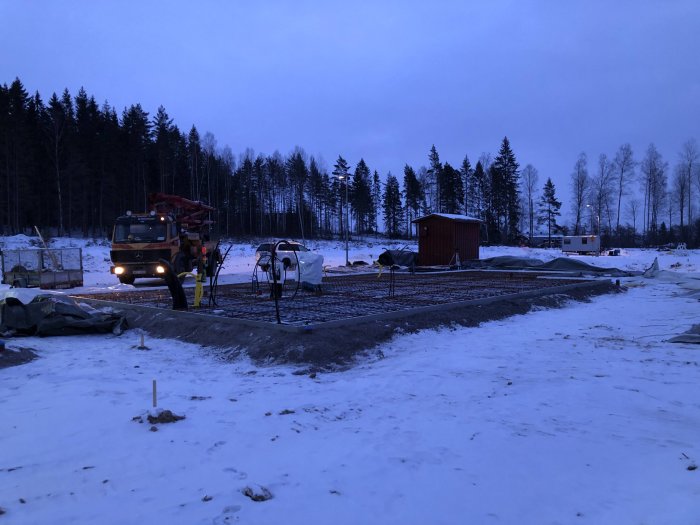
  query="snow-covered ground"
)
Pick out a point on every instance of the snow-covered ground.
point(585, 414)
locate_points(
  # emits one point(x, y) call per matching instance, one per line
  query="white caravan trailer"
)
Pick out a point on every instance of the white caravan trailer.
point(581, 244)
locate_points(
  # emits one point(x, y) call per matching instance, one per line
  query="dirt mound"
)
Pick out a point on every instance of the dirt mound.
point(166, 416)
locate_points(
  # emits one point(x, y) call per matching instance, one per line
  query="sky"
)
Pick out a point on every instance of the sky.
point(381, 80)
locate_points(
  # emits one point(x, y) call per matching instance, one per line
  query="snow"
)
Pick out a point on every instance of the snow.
point(454, 216)
point(584, 414)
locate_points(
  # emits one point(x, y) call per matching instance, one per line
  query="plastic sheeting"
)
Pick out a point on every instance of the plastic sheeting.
point(405, 258)
point(691, 336)
point(54, 314)
point(690, 282)
point(310, 268)
point(560, 264)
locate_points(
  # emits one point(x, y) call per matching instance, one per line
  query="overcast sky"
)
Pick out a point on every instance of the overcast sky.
point(382, 80)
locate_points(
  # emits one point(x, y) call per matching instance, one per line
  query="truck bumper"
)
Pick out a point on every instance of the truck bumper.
point(138, 270)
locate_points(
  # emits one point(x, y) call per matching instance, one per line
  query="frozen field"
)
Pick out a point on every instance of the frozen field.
point(585, 414)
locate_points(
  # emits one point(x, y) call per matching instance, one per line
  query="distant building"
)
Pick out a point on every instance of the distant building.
point(581, 244)
point(446, 239)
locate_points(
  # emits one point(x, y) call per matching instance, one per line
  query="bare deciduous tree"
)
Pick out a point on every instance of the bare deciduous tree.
point(689, 166)
point(633, 212)
point(579, 185)
point(623, 167)
point(680, 190)
point(530, 177)
point(601, 191)
point(654, 181)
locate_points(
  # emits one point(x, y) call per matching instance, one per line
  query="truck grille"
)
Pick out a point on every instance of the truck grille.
point(138, 256)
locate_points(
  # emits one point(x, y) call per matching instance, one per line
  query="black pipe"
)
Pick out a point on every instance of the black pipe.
point(174, 286)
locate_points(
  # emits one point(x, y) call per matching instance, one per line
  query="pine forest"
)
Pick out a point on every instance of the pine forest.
point(69, 166)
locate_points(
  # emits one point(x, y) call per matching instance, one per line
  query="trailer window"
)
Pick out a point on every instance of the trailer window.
point(567, 241)
point(584, 240)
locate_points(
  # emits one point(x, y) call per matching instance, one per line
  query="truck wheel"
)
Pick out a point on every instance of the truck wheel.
point(127, 279)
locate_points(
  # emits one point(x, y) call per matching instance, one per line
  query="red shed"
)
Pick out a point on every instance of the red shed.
point(444, 236)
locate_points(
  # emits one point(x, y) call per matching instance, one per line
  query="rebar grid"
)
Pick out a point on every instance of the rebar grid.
point(350, 296)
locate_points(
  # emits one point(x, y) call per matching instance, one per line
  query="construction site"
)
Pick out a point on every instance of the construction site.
point(347, 314)
point(294, 308)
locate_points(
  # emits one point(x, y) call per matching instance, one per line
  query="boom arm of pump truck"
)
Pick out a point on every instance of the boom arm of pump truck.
point(192, 215)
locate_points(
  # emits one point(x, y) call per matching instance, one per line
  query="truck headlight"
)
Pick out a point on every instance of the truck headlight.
point(119, 270)
point(160, 269)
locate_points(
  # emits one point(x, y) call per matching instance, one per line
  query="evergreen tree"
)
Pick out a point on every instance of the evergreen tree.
point(479, 188)
point(361, 197)
point(111, 199)
point(55, 125)
point(376, 201)
point(16, 154)
point(4, 153)
point(317, 192)
point(549, 209)
point(86, 161)
point(505, 187)
point(71, 173)
point(466, 171)
point(298, 173)
point(435, 182)
point(393, 209)
point(35, 202)
point(194, 149)
point(260, 178)
point(452, 190)
point(413, 192)
point(136, 132)
point(276, 206)
point(341, 171)
point(164, 148)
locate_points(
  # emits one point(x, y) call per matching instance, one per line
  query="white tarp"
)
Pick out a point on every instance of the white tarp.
point(310, 267)
point(690, 282)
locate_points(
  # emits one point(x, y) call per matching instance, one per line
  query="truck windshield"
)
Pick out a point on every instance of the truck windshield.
point(139, 231)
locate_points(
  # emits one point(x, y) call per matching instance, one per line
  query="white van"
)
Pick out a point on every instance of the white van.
point(581, 244)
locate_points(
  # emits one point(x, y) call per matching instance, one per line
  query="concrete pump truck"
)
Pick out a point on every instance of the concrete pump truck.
point(174, 229)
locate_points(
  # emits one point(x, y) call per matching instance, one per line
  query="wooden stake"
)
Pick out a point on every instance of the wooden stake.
point(142, 345)
point(155, 401)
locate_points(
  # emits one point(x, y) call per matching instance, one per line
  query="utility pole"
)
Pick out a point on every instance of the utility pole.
point(347, 218)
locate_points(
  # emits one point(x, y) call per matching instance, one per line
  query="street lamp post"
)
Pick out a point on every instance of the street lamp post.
point(347, 219)
point(596, 216)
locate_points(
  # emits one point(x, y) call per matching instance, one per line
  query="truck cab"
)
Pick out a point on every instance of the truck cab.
point(175, 230)
point(139, 244)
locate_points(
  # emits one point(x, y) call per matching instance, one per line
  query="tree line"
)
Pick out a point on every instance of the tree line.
point(70, 166)
point(621, 196)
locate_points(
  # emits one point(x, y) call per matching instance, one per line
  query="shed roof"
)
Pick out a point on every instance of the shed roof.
point(450, 216)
